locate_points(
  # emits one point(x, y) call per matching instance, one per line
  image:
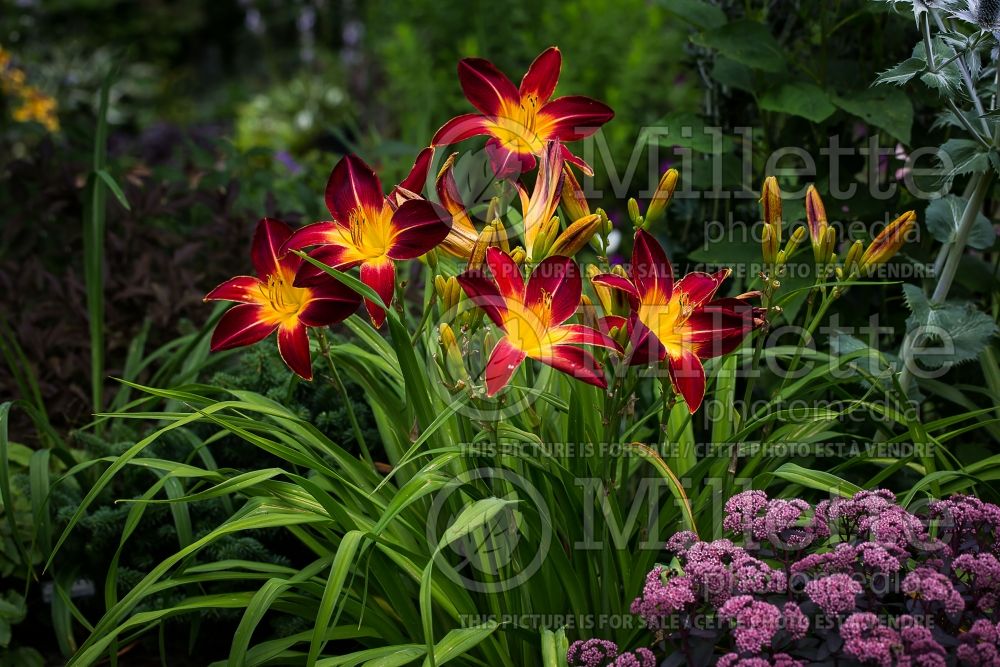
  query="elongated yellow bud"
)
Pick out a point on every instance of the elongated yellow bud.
point(449, 292)
point(494, 235)
point(885, 246)
point(602, 291)
point(453, 361)
point(768, 245)
point(852, 259)
point(664, 193)
point(577, 235)
point(794, 241)
point(518, 255)
point(544, 240)
point(770, 202)
point(633, 212)
point(573, 201)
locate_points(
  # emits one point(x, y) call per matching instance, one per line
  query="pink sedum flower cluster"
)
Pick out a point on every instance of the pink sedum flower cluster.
point(848, 581)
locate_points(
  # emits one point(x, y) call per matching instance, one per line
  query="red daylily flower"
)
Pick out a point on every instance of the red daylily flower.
point(371, 230)
point(521, 120)
point(270, 301)
point(679, 322)
point(532, 316)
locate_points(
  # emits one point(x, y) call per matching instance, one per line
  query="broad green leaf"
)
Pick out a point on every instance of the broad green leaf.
point(799, 99)
point(688, 130)
point(963, 156)
point(698, 13)
point(747, 42)
point(942, 220)
point(889, 109)
point(961, 330)
point(733, 74)
point(903, 72)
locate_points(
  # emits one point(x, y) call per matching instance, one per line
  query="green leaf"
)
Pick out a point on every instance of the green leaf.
point(965, 156)
point(943, 217)
point(961, 329)
point(113, 186)
point(747, 42)
point(696, 12)
point(946, 80)
point(688, 130)
point(885, 108)
point(735, 75)
point(799, 99)
point(816, 479)
point(903, 72)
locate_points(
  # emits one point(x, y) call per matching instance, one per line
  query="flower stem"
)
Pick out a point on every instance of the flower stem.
point(324, 347)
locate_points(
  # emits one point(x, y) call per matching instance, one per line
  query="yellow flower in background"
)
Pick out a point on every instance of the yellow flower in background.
point(38, 107)
point(33, 105)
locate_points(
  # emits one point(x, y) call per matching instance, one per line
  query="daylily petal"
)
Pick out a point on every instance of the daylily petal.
point(541, 78)
point(699, 287)
point(418, 226)
point(266, 251)
point(462, 237)
point(619, 283)
point(578, 161)
point(331, 302)
point(644, 347)
point(574, 117)
point(688, 377)
point(244, 289)
point(380, 275)
point(486, 87)
point(578, 334)
point(318, 233)
point(558, 277)
point(501, 366)
point(651, 271)
point(353, 185)
point(416, 180)
point(241, 325)
point(334, 256)
point(460, 128)
point(506, 273)
point(576, 362)
point(293, 346)
point(484, 293)
point(506, 163)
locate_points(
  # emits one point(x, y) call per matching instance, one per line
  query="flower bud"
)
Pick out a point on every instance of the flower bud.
point(453, 361)
point(770, 202)
point(545, 239)
point(494, 235)
point(633, 212)
point(602, 291)
point(577, 235)
point(793, 243)
point(885, 246)
point(664, 193)
point(518, 255)
point(852, 259)
point(449, 292)
point(768, 245)
point(573, 201)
